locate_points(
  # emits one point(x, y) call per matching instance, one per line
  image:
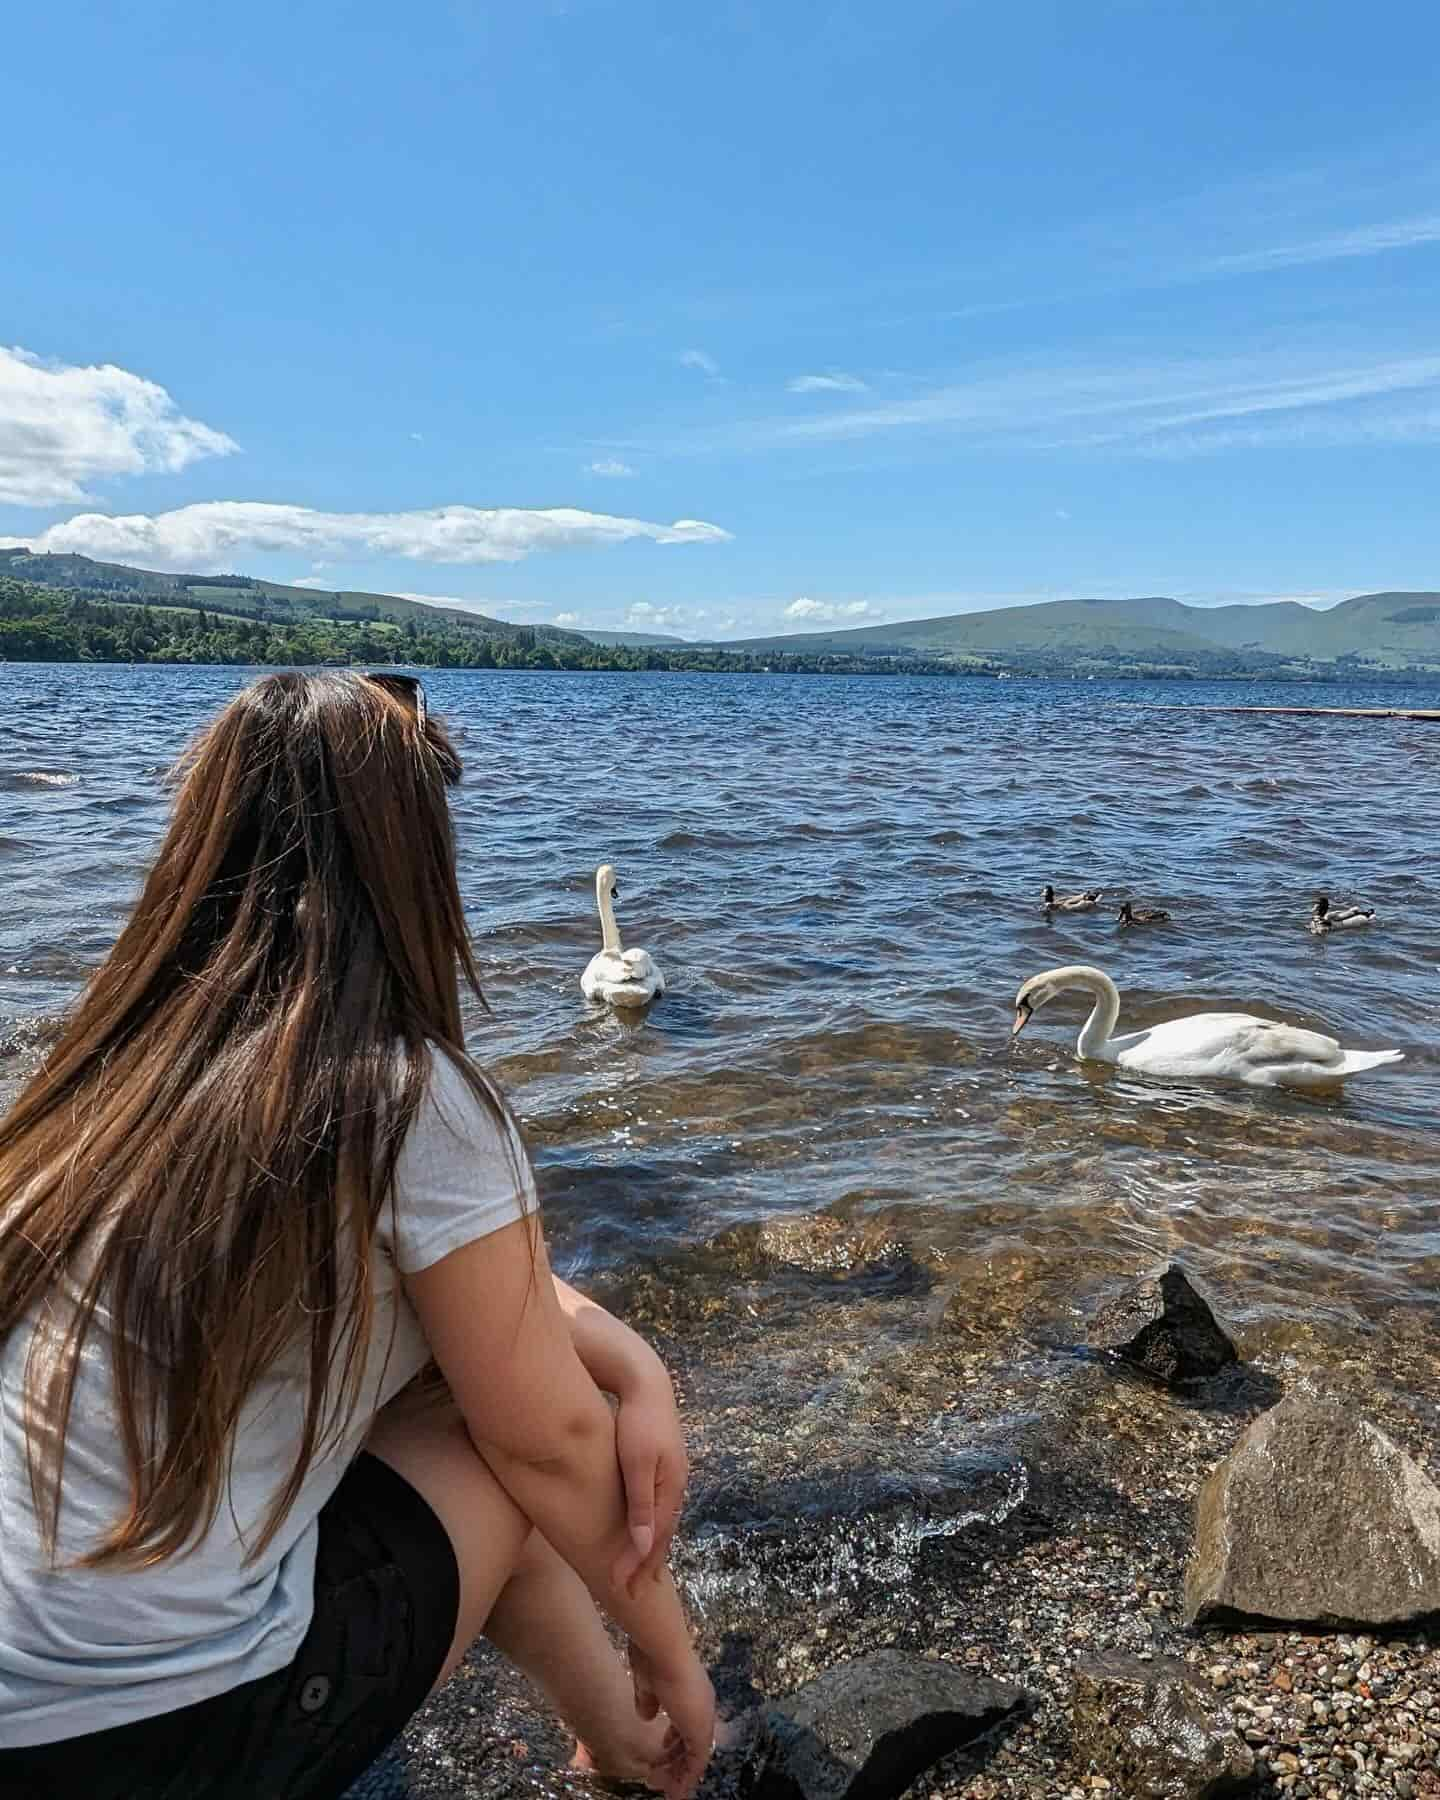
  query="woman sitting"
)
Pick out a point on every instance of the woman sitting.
point(291, 1406)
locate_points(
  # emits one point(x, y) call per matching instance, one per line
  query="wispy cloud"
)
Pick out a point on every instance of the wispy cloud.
point(1176, 407)
point(609, 466)
point(836, 382)
point(1332, 246)
point(214, 534)
point(826, 612)
point(701, 360)
point(64, 426)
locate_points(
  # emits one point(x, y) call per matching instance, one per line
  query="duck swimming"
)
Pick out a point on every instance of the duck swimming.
point(1325, 918)
point(1085, 902)
point(1141, 915)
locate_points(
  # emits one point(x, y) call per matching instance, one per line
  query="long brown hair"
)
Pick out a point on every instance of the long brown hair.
point(217, 1128)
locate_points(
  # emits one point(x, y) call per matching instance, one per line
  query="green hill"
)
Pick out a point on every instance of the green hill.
point(1383, 631)
point(243, 596)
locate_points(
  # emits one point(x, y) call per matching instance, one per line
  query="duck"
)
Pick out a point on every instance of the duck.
point(614, 975)
point(1086, 902)
point(1203, 1046)
point(1325, 918)
point(1141, 915)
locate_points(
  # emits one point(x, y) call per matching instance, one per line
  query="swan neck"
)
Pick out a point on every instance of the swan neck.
point(1098, 1029)
point(609, 930)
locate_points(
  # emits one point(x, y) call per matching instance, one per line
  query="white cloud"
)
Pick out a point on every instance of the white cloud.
point(62, 426)
point(567, 620)
point(836, 382)
point(644, 616)
point(826, 612)
point(701, 360)
point(216, 534)
point(609, 465)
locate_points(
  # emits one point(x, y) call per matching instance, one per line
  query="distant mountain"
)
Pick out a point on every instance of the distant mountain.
point(638, 640)
point(1384, 631)
point(248, 597)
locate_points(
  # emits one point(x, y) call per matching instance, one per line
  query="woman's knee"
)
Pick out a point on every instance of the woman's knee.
point(427, 1443)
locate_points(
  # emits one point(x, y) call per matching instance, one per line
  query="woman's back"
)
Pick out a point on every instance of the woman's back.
point(159, 1636)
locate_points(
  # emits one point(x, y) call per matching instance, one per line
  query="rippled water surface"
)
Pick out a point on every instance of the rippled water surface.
point(840, 879)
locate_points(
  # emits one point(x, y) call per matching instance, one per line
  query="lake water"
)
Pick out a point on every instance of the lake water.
point(841, 881)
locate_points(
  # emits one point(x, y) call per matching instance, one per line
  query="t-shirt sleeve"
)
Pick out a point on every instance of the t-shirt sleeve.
point(462, 1173)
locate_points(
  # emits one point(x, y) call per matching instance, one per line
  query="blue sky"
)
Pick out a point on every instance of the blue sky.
point(728, 319)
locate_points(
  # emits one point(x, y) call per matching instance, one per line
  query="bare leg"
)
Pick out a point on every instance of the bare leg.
point(516, 1589)
point(547, 1624)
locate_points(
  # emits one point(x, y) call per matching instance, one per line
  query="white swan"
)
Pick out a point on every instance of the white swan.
point(1223, 1046)
point(621, 977)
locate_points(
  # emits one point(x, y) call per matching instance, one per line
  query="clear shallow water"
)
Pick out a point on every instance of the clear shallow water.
point(840, 878)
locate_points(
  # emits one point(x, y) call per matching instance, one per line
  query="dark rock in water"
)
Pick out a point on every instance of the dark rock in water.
point(1152, 1731)
point(1315, 1517)
point(1165, 1327)
point(865, 1730)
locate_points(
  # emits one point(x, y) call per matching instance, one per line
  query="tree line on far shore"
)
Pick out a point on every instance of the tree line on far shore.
point(43, 624)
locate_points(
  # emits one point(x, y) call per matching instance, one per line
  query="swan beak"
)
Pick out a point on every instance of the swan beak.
point(1022, 1019)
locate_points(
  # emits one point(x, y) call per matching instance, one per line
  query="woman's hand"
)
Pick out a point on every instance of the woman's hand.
point(648, 1438)
point(687, 1699)
point(651, 1448)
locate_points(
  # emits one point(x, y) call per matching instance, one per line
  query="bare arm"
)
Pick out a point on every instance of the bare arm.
point(493, 1320)
point(617, 1358)
point(648, 1433)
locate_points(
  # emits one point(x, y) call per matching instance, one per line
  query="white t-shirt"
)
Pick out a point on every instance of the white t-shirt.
point(83, 1649)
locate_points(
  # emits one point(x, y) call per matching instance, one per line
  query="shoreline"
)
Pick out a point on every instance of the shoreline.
point(1060, 1530)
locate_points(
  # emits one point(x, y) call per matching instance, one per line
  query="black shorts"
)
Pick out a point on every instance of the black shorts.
point(387, 1597)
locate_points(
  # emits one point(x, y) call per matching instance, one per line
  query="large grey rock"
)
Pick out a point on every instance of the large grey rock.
point(865, 1730)
point(1315, 1517)
point(1152, 1730)
point(1164, 1326)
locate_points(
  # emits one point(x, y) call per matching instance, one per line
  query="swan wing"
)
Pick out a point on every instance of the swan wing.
point(629, 978)
point(1244, 1048)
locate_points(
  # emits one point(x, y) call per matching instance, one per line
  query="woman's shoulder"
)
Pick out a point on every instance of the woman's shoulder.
point(463, 1170)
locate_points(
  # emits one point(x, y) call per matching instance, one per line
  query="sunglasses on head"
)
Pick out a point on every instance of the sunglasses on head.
point(405, 687)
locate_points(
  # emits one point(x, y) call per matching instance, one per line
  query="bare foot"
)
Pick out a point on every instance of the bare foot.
point(633, 1764)
point(629, 1761)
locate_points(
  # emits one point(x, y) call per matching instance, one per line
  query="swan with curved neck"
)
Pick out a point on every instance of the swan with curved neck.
point(615, 975)
point(1203, 1046)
